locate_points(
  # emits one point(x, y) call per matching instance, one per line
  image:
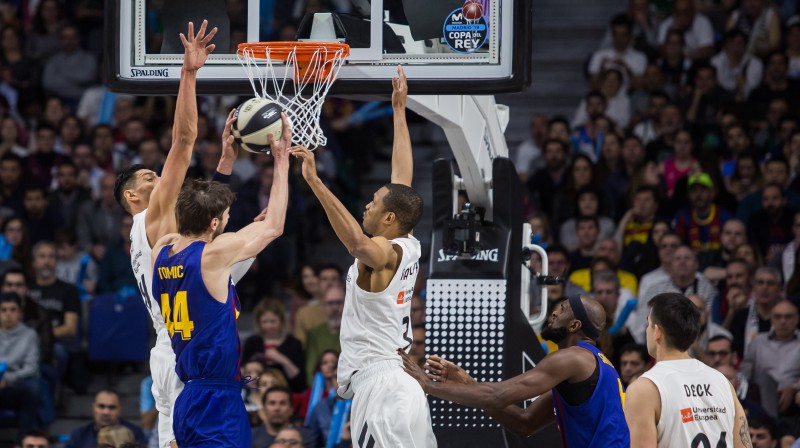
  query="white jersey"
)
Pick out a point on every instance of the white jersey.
point(697, 404)
point(376, 324)
point(142, 264)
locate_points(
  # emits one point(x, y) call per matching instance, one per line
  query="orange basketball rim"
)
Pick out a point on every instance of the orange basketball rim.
point(314, 60)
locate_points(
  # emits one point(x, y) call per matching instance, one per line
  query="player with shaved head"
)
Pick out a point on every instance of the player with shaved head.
point(577, 382)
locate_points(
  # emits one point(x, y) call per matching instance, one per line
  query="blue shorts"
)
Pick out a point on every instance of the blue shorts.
point(211, 413)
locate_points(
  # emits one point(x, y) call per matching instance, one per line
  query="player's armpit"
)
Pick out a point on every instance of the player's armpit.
point(376, 252)
point(641, 404)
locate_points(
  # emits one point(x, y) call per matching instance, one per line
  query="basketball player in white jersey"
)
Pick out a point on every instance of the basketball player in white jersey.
point(151, 200)
point(681, 402)
point(389, 407)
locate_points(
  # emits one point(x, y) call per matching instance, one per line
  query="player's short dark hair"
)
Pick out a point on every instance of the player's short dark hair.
point(639, 349)
point(198, 203)
point(769, 425)
point(277, 388)
point(406, 204)
point(678, 318)
point(125, 181)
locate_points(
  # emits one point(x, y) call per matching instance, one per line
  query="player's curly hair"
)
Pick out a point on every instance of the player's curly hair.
point(199, 202)
point(406, 204)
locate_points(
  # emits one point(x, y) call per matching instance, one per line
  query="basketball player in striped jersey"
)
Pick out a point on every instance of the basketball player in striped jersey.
point(389, 407)
point(681, 401)
point(151, 200)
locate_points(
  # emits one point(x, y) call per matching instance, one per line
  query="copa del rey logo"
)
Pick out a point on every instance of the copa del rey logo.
point(484, 255)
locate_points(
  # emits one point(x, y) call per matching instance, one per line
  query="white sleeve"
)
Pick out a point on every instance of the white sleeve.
point(703, 30)
point(239, 269)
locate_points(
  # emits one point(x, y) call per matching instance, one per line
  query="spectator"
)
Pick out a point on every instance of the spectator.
point(12, 193)
point(558, 266)
point(618, 183)
point(304, 290)
point(746, 178)
point(593, 106)
point(698, 33)
point(527, 157)
point(69, 196)
point(606, 290)
point(620, 56)
point(60, 299)
point(15, 245)
point(588, 230)
point(276, 415)
point(774, 359)
point(73, 266)
point(34, 316)
point(115, 274)
point(102, 141)
point(738, 71)
point(70, 134)
point(547, 181)
point(755, 318)
point(610, 158)
point(99, 221)
point(775, 84)
point(682, 278)
point(739, 289)
point(114, 436)
point(607, 250)
point(793, 47)
point(272, 340)
point(770, 228)
point(324, 385)
point(39, 215)
point(41, 163)
point(750, 254)
point(106, 411)
point(35, 439)
point(10, 134)
point(581, 176)
point(42, 42)
point(644, 258)
point(667, 245)
point(314, 314)
point(634, 228)
point(751, 407)
point(19, 349)
point(674, 63)
point(719, 352)
point(706, 100)
point(708, 330)
point(633, 361)
point(760, 21)
point(287, 438)
point(417, 350)
point(148, 414)
point(644, 31)
point(776, 171)
point(713, 263)
point(22, 73)
point(681, 164)
point(670, 122)
point(417, 309)
point(700, 225)
point(89, 174)
point(586, 203)
point(763, 433)
point(326, 336)
point(321, 419)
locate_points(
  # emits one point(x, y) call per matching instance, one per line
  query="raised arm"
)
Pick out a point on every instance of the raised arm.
point(402, 161)
point(230, 248)
point(161, 209)
point(376, 252)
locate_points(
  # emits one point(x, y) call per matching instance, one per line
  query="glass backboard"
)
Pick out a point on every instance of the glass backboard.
point(446, 46)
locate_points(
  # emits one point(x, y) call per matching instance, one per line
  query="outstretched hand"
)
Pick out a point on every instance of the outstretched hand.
point(399, 89)
point(309, 163)
point(445, 371)
point(197, 47)
point(230, 149)
point(413, 369)
point(280, 148)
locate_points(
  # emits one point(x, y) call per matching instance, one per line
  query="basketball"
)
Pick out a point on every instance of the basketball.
point(472, 10)
point(255, 119)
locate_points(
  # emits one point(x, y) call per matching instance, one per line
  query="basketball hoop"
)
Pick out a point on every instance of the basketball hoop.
point(310, 67)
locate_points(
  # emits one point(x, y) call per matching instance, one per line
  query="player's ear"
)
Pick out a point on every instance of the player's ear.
point(390, 218)
point(128, 195)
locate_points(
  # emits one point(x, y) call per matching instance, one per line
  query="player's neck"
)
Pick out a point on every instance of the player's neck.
point(668, 354)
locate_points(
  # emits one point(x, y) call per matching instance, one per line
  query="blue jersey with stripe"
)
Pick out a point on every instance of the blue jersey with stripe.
point(599, 422)
point(202, 330)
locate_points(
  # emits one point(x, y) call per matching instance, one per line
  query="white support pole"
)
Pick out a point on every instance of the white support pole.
point(474, 128)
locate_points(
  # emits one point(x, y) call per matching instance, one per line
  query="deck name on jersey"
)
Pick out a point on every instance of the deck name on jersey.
point(697, 390)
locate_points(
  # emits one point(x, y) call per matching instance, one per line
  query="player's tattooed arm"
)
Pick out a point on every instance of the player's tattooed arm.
point(744, 432)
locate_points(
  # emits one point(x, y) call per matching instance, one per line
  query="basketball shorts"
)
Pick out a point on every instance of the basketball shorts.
point(166, 388)
point(389, 409)
point(211, 413)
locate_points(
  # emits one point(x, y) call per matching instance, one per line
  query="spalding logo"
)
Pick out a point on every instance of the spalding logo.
point(269, 114)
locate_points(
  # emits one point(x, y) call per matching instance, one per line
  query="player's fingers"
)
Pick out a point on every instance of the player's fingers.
point(183, 39)
point(210, 35)
point(191, 31)
point(202, 31)
point(270, 138)
point(287, 128)
point(210, 48)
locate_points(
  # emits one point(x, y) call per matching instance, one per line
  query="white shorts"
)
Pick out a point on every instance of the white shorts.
point(389, 409)
point(166, 388)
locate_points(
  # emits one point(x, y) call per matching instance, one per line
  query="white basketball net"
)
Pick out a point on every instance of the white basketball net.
point(303, 101)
